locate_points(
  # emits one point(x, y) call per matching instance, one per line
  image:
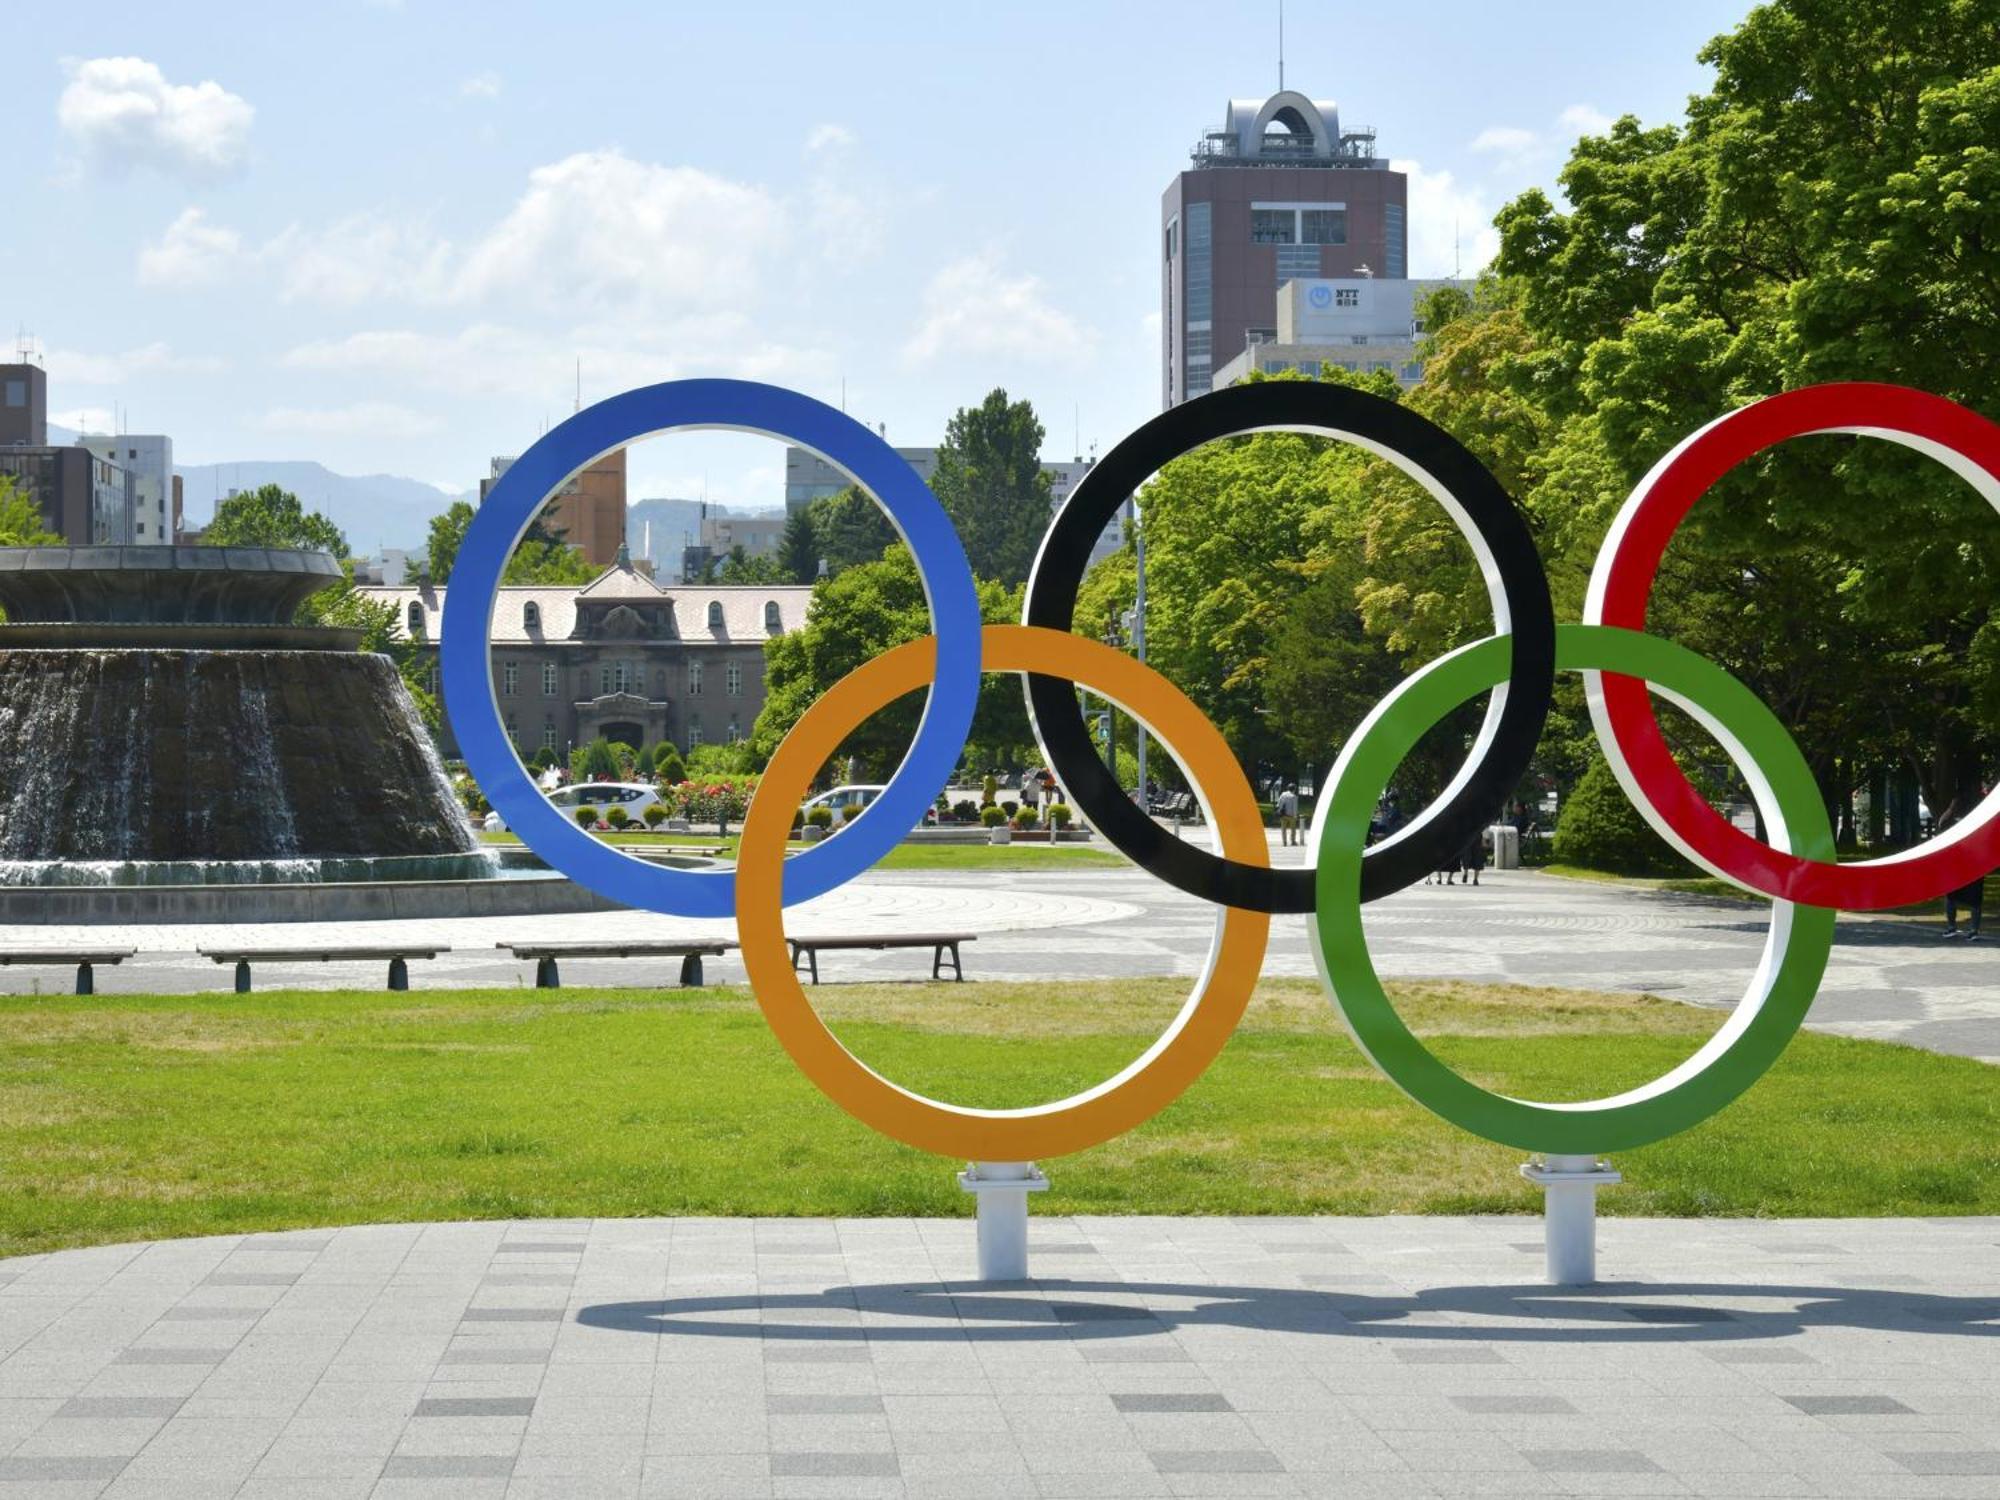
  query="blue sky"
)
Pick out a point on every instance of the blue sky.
point(381, 235)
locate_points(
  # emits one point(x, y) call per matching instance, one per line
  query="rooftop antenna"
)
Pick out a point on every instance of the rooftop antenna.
point(843, 395)
point(1281, 46)
point(1076, 428)
point(1454, 250)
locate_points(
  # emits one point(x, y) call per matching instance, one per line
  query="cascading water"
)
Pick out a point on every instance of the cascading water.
point(211, 748)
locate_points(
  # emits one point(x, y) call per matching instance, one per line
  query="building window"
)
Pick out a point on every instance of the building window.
point(621, 677)
point(17, 393)
point(415, 618)
point(694, 737)
point(1274, 226)
point(1358, 338)
point(1347, 296)
point(660, 682)
point(773, 620)
point(1295, 261)
point(734, 733)
point(548, 679)
point(1413, 372)
point(732, 680)
point(431, 678)
point(510, 676)
point(531, 615)
point(1397, 239)
point(694, 679)
point(603, 680)
point(548, 733)
point(1200, 264)
point(1279, 366)
point(714, 614)
point(1323, 226)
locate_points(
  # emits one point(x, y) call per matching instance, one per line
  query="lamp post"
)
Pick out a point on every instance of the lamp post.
point(1137, 624)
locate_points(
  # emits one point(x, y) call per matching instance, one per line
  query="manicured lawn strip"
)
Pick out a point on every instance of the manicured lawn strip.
point(902, 857)
point(141, 1117)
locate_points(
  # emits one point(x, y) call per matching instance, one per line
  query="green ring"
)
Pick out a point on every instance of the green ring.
point(1735, 1057)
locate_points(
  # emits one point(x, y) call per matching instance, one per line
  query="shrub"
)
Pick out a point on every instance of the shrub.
point(643, 763)
point(542, 759)
point(1059, 815)
point(617, 817)
point(965, 810)
point(992, 817)
point(1599, 829)
point(586, 817)
point(600, 762)
point(668, 767)
point(850, 812)
point(821, 817)
point(1026, 818)
point(655, 815)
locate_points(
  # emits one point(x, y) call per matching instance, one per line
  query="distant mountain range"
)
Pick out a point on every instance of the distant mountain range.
point(388, 510)
point(374, 510)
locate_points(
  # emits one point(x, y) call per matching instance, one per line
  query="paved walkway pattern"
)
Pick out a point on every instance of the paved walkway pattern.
point(1155, 1357)
point(1889, 978)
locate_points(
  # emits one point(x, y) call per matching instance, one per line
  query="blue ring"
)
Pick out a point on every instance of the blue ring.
point(745, 406)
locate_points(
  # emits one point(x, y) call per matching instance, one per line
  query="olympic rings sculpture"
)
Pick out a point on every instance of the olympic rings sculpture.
point(1622, 667)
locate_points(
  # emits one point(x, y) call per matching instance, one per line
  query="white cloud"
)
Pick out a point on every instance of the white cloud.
point(192, 252)
point(601, 229)
point(85, 419)
point(480, 86)
point(74, 368)
point(1449, 223)
point(120, 112)
point(377, 419)
point(1506, 139)
point(973, 307)
point(359, 259)
point(490, 359)
point(1582, 119)
point(829, 137)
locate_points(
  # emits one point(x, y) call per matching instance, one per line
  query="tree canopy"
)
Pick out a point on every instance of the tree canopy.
point(991, 483)
point(271, 516)
point(21, 518)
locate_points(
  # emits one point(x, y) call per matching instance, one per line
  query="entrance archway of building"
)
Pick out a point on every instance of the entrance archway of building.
point(626, 733)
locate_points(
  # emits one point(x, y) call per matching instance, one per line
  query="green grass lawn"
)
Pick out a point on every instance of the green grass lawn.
point(902, 857)
point(138, 1117)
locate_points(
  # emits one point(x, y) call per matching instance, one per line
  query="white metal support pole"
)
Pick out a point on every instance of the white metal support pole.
point(1569, 1187)
point(1002, 1188)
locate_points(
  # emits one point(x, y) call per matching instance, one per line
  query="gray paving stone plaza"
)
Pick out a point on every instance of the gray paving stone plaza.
point(1151, 1357)
point(1148, 1357)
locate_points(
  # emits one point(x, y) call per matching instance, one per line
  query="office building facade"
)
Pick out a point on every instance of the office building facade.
point(1363, 325)
point(1280, 193)
point(85, 497)
point(156, 513)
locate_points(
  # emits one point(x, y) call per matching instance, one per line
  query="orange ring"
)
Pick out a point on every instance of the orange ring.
point(1148, 1084)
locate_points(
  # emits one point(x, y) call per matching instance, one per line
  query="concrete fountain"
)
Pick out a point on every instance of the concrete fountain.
point(169, 735)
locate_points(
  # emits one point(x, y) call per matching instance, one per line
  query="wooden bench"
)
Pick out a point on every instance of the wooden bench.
point(243, 958)
point(938, 942)
point(85, 960)
point(549, 977)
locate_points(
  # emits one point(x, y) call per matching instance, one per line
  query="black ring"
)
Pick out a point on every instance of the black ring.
point(1419, 446)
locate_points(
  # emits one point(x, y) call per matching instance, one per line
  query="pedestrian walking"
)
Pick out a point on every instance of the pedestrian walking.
point(1473, 860)
point(1971, 896)
point(1288, 817)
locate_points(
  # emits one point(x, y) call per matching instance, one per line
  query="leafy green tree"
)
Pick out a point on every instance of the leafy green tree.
point(668, 768)
point(21, 518)
point(855, 617)
point(740, 567)
point(798, 549)
point(447, 535)
point(550, 563)
point(991, 483)
point(600, 761)
point(1827, 213)
point(270, 516)
point(850, 529)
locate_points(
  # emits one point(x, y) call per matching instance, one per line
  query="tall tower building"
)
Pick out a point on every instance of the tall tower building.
point(589, 510)
point(1279, 193)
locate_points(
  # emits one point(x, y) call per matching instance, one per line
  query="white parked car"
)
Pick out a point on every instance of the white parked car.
point(843, 797)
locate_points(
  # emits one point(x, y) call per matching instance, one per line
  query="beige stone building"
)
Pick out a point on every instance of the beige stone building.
point(621, 656)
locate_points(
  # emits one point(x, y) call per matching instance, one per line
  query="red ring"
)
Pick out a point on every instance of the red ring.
point(1622, 583)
